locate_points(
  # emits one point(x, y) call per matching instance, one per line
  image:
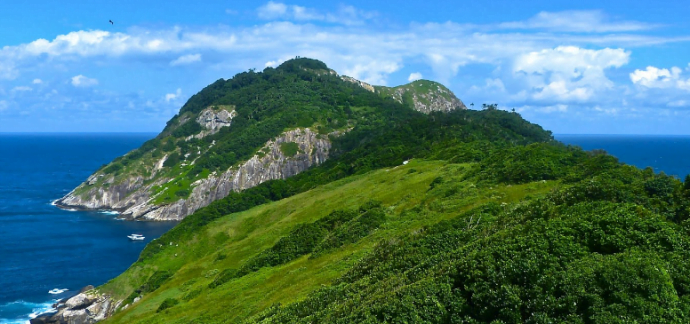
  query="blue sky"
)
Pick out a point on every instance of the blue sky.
point(603, 67)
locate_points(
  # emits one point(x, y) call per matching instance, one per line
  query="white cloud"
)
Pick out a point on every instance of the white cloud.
point(37, 81)
point(653, 77)
point(554, 108)
point(346, 15)
point(276, 63)
point(173, 96)
point(495, 84)
point(304, 13)
point(186, 59)
point(591, 21)
point(568, 73)
point(82, 81)
point(679, 103)
point(272, 10)
point(414, 76)
point(528, 69)
point(373, 72)
point(21, 89)
point(3, 105)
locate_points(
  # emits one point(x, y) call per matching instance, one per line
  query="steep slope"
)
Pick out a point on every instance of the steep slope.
point(241, 132)
point(530, 233)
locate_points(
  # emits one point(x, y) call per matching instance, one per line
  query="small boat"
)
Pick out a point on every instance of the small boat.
point(136, 237)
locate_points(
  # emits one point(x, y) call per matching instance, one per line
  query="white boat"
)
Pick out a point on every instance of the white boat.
point(136, 237)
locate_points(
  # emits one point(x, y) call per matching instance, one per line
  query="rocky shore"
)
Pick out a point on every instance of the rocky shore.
point(87, 307)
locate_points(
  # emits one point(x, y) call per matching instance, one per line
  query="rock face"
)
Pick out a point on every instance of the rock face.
point(134, 200)
point(87, 307)
point(436, 98)
point(213, 118)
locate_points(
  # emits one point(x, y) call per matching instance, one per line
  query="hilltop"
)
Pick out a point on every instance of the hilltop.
point(238, 133)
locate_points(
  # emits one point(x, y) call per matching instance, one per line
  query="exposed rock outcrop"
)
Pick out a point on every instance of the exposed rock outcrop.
point(133, 197)
point(359, 83)
point(87, 307)
point(437, 98)
point(213, 119)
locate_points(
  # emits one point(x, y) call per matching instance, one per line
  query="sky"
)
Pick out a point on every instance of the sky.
point(574, 67)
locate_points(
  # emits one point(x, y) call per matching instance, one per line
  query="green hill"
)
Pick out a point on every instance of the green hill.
point(457, 217)
point(233, 135)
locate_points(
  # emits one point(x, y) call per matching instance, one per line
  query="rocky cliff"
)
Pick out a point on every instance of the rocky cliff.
point(133, 197)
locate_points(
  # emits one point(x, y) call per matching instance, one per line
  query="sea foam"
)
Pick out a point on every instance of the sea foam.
point(22, 311)
point(56, 291)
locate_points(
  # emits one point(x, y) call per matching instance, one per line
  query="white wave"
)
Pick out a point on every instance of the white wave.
point(32, 310)
point(71, 209)
point(56, 291)
point(109, 212)
point(54, 202)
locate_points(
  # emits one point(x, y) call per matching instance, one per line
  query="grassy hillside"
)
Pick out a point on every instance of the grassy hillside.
point(536, 233)
point(233, 240)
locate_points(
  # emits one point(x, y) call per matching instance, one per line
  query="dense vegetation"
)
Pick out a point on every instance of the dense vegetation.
point(491, 221)
point(299, 93)
point(597, 242)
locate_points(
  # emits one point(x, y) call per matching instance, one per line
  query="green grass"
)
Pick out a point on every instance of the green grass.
point(229, 242)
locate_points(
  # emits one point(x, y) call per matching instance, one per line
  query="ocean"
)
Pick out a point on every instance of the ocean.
point(43, 247)
point(663, 153)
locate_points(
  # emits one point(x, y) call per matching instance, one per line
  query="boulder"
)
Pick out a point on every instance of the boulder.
point(80, 301)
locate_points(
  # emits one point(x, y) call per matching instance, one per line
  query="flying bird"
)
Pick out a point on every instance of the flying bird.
point(111, 22)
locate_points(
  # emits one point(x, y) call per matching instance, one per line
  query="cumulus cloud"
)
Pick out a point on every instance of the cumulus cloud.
point(529, 69)
point(172, 96)
point(568, 73)
point(186, 59)
point(589, 21)
point(414, 76)
point(653, 77)
point(37, 81)
point(81, 81)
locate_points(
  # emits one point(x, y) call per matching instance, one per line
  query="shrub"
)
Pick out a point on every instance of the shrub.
point(167, 303)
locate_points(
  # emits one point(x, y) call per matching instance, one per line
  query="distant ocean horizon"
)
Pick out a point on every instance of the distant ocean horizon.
point(663, 153)
point(43, 248)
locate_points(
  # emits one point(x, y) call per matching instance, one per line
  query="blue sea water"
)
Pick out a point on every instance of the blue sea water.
point(667, 153)
point(43, 247)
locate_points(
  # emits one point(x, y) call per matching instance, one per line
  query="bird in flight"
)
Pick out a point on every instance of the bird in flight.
point(111, 22)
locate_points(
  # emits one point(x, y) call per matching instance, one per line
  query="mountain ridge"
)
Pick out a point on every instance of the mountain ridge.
point(148, 192)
